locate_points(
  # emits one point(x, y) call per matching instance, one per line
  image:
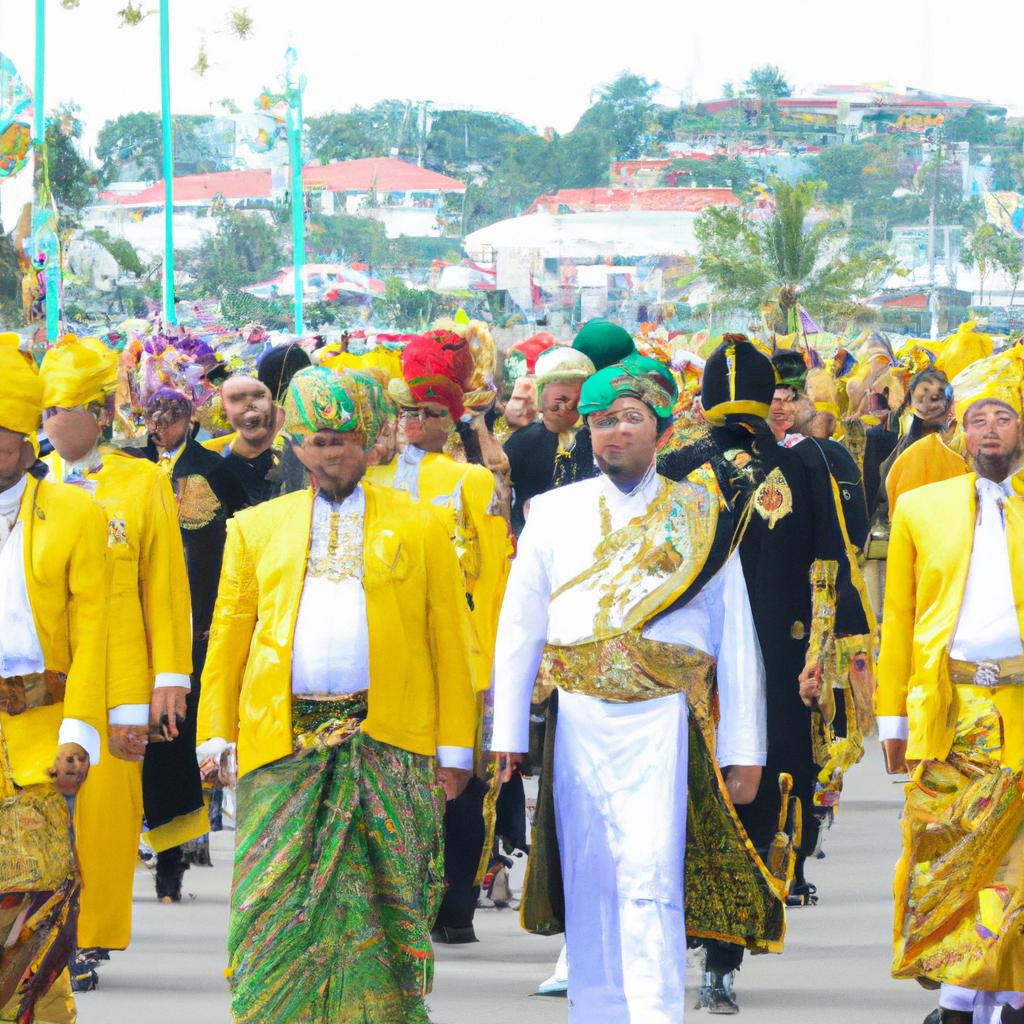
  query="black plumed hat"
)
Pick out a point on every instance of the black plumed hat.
point(738, 379)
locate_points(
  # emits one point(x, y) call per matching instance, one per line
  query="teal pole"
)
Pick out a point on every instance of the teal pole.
point(294, 94)
point(170, 317)
point(52, 271)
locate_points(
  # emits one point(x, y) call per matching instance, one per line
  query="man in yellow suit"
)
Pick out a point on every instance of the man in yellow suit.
point(339, 661)
point(53, 634)
point(950, 703)
point(149, 655)
point(436, 367)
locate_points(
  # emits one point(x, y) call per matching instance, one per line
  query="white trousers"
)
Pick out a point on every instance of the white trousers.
point(620, 806)
point(987, 1006)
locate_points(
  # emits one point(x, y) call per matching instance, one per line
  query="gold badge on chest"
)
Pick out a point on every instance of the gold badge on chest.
point(773, 500)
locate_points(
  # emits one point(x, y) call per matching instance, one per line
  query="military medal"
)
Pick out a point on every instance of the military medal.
point(773, 499)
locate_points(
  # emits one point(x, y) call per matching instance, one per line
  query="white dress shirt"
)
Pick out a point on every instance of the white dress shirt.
point(558, 543)
point(407, 470)
point(330, 650)
point(20, 651)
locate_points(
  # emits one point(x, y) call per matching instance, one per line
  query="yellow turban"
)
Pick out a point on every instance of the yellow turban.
point(21, 391)
point(77, 372)
point(998, 378)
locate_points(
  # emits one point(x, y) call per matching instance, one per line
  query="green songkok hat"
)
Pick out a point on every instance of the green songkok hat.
point(604, 342)
point(320, 399)
point(635, 377)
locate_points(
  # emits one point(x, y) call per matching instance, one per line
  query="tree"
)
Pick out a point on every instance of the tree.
point(390, 125)
point(990, 248)
point(347, 239)
point(750, 264)
point(244, 250)
point(767, 83)
point(625, 112)
point(718, 172)
point(131, 147)
point(71, 177)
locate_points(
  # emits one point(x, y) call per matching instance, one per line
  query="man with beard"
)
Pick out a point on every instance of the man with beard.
point(950, 703)
point(624, 604)
point(339, 660)
point(207, 495)
point(256, 419)
point(53, 638)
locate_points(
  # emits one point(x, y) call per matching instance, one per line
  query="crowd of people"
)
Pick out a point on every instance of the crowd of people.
point(356, 594)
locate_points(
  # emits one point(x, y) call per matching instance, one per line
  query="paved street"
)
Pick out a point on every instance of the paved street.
point(834, 970)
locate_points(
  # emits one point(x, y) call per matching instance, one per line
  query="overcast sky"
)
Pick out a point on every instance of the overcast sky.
point(538, 60)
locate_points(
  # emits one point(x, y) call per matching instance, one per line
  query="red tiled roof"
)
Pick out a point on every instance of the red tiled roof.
point(661, 200)
point(380, 173)
point(194, 187)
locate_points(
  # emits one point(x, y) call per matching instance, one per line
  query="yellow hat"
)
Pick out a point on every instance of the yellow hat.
point(998, 378)
point(962, 348)
point(21, 391)
point(77, 371)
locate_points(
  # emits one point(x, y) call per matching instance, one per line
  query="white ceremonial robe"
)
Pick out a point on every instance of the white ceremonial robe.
point(620, 769)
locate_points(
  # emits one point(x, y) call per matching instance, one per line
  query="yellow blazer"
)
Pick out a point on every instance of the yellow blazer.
point(420, 696)
point(151, 612)
point(218, 444)
point(929, 557)
point(480, 536)
point(65, 535)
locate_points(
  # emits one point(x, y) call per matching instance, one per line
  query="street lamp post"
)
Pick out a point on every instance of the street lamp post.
point(293, 96)
point(170, 316)
point(45, 219)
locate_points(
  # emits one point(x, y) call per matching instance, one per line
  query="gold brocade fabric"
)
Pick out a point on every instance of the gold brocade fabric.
point(641, 568)
point(960, 881)
point(35, 690)
point(730, 893)
point(630, 668)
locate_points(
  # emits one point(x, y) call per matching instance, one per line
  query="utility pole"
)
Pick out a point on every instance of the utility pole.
point(170, 316)
point(932, 291)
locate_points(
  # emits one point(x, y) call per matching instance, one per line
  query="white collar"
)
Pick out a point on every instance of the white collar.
point(412, 454)
point(355, 503)
point(10, 500)
point(646, 488)
point(170, 456)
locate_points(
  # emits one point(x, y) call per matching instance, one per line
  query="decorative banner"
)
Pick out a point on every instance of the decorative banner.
point(15, 120)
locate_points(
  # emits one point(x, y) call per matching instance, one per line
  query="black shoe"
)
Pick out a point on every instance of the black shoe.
point(802, 894)
point(453, 936)
point(716, 993)
point(83, 975)
point(168, 885)
point(944, 1016)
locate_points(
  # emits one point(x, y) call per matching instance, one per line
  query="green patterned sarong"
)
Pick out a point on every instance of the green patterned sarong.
point(338, 878)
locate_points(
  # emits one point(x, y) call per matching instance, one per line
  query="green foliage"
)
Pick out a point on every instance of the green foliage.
point(749, 263)
point(462, 138)
point(767, 83)
point(10, 284)
point(410, 309)
point(71, 178)
point(990, 248)
point(347, 239)
point(718, 172)
point(973, 126)
point(240, 308)
point(133, 143)
point(121, 249)
point(627, 117)
point(388, 126)
point(244, 250)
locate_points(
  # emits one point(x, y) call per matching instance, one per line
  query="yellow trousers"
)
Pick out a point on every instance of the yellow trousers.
point(960, 881)
point(108, 820)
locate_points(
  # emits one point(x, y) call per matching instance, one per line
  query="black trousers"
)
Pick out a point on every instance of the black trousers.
point(463, 847)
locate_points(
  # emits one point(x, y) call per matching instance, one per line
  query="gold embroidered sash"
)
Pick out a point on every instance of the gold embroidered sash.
point(641, 568)
point(629, 668)
point(36, 690)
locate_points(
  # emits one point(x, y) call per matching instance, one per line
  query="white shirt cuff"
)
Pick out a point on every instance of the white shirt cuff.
point(455, 757)
point(755, 759)
point(74, 731)
point(129, 714)
point(893, 727)
point(172, 679)
point(212, 748)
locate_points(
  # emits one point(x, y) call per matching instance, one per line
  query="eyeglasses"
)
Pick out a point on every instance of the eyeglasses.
point(421, 414)
point(630, 418)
